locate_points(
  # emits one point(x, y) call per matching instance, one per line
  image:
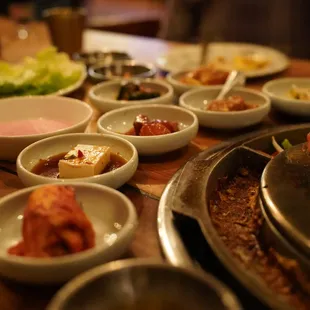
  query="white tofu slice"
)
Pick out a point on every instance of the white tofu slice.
point(84, 161)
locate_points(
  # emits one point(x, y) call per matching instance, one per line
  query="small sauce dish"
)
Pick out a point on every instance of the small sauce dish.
point(278, 91)
point(104, 95)
point(44, 149)
point(120, 121)
point(197, 100)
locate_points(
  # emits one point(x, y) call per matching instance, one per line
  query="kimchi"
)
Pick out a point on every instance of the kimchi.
point(54, 224)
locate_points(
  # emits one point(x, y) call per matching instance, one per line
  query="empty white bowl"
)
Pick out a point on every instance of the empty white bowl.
point(194, 101)
point(278, 91)
point(73, 111)
point(103, 96)
point(114, 220)
point(43, 149)
point(119, 122)
point(180, 87)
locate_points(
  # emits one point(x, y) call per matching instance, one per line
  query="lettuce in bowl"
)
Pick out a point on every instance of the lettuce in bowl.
point(44, 74)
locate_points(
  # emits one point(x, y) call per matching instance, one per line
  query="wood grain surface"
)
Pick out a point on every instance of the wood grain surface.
point(153, 173)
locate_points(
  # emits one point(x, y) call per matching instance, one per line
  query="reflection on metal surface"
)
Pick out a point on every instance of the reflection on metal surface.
point(286, 194)
point(122, 284)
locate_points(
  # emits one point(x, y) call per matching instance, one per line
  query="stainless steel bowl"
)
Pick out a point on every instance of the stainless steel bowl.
point(101, 57)
point(120, 69)
point(143, 284)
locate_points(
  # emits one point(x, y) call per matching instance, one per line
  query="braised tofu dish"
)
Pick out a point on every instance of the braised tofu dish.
point(80, 162)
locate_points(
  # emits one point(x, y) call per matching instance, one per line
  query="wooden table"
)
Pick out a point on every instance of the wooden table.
point(153, 173)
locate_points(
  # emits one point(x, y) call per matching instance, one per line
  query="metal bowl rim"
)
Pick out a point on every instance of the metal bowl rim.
point(73, 286)
point(149, 66)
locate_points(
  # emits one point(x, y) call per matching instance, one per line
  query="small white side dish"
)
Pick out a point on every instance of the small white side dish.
point(114, 220)
point(180, 87)
point(194, 101)
point(278, 91)
point(73, 111)
point(46, 148)
point(119, 122)
point(103, 95)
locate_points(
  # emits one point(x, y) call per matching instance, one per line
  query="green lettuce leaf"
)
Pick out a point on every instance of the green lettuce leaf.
point(44, 74)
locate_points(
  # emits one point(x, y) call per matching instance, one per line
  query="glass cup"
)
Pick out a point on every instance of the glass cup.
point(66, 27)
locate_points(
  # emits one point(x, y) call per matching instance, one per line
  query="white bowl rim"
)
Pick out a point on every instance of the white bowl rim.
point(130, 224)
point(231, 113)
point(86, 119)
point(152, 106)
point(273, 95)
point(102, 85)
point(85, 179)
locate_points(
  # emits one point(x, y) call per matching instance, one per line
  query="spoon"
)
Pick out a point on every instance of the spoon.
point(232, 79)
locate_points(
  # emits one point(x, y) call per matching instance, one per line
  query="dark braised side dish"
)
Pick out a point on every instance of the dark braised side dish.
point(134, 91)
point(143, 126)
point(238, 220)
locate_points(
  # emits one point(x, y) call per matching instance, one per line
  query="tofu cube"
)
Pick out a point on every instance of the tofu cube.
point(84, 161)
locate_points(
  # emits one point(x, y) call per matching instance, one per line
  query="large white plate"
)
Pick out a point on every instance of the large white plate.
point(188, 57)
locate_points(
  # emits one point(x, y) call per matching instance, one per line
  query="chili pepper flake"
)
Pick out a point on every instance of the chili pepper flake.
point(80, 154)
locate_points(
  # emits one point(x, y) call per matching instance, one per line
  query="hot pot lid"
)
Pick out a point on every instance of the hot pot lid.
point(285, 193)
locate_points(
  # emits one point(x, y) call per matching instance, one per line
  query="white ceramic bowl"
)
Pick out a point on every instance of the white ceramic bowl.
point(120, 121)
point(103, 206)
point(194, 101)
point(278, 92)
point(43, 149)
point(180, 87)
point(77, 112)
point(103, 96)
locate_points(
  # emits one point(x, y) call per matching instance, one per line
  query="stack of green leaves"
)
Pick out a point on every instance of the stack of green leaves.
point(47, 73)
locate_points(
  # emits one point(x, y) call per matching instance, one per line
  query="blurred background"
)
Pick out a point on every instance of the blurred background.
point(282, 24)
point(139, 17)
